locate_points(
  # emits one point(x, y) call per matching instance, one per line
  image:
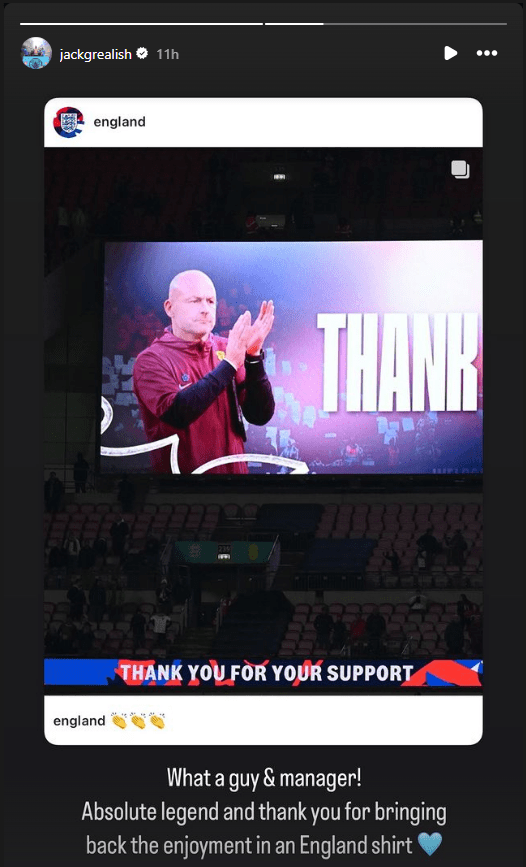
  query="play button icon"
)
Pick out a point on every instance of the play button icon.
point(449, 52)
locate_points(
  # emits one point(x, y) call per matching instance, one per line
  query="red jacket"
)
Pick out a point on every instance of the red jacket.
point(167, 367)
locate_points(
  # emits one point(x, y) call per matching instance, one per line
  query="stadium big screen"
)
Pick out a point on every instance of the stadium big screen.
point(374, 358)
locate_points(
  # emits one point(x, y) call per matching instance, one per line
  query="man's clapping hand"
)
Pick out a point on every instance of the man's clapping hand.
point(236, 347)
point(261, 328)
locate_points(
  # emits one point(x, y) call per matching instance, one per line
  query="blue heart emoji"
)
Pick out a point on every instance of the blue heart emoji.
point(430, 842)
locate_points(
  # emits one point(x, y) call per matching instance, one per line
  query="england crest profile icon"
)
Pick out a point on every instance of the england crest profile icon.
point(68, 121)
point(36, 53)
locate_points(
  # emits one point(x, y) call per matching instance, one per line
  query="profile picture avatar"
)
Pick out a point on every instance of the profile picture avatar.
point(36, 52)
point(68, 121)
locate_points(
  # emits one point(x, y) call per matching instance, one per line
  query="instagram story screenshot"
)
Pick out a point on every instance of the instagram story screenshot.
point(263, 412)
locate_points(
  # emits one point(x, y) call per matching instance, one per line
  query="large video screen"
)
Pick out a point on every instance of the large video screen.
point(372, 362)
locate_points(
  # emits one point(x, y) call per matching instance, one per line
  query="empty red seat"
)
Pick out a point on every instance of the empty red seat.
point(305, 646)
point(299, 617)
point(287, 645)
point(295, 627)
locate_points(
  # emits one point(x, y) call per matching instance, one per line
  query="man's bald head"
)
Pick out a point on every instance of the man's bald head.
point(191, 305)
point(188, 281)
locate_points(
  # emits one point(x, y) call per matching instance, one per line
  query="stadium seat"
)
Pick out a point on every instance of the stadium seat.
point(425, 626)
point(180, 508)
point(300, 618)
point(288, 645)
point(250, 511)
point(305, 647)
point(231, 511)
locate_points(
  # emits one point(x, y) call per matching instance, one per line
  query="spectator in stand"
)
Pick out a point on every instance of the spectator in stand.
point(126, 494)
point(77, 600)
point(160, 623)
point(357, 630)
point(393, 454)
point(457, 546)
point(119, 531)
point(475, 635)
point(53, 493)
point(52, 640)
point(465, 609)
point(430, 546)
point(224, 603)
point(80, 474)
point(225, 317)
point(290, 451)
point(323, 625)
point(151, 550)
point(454, 636)
point(421, 561)
point(393, 558)
point(164, 596)
point(418, 603)
point(57, 558)
point(375, 626)
point(97, 601)
point(138, 628)
point(86, 556)
point(116, 598)
point(67, 637)
point(100, 548)
point(352, 453)
point(72, 549)
point(340, 635)
point(86, 639)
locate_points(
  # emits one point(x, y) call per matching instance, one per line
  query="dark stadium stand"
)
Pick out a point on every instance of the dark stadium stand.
point(334, 537)
point(323, 547)
point(412, 632)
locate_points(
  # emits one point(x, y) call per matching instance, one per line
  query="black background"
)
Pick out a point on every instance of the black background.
point(481, 785)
